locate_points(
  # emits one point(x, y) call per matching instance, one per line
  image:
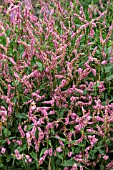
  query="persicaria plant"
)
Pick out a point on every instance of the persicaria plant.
point(56, 82)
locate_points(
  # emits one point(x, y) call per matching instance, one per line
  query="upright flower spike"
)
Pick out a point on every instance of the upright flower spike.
point(56, 53)
point(27, 3)
point(21, 131)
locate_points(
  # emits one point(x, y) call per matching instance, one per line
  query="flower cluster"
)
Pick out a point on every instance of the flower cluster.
point(56, 109)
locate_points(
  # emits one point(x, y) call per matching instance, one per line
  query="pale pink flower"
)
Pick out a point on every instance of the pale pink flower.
point(41, 160)
point(110, 165)
point(30, 160)
point(73, 116)
point(8, 141)
point(91, 34)
point(92, 140)
point(104, 62)
point(66, 168)
point(101, 86)
point(66, 121)
point(50, 152)
point(59, 149)
point(70, 154)
point(104, 54)
point(3, 150)
point(105, 157)
point(27, 156)
point(81, 167)
point(3, 119)
point(18, 156)
point(74, 167)
point(19, 142)
point(21, 131)
point(28, 3)
point(46, 152)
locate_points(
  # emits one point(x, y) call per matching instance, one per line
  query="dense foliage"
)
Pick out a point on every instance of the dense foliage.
point(56, 86)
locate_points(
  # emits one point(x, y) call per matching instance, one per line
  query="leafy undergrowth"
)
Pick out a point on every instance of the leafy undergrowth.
point(56, 86)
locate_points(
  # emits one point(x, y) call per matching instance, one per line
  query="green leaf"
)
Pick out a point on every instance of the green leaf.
point(97, 83)
point(102, 167)
point(61, 112)
point(59, 155)
point(109, 68)
point(85, 92)
point(101, 151)
point(21, 115)
point(8, 31)
point(25, 98)
point(1, 165)
point(6, 132)
point(40, 66)
point(2, 40)
point(30, 126)
point(50, 144)
point(59, 138)
point(109, 49)
point(21, 48)
point(10, 138)
point(69, 162)
point(34, 155)
point(15, 99)
point(109, 78)
point(3, 61)
point(22, 148)
point(8, 158)
point(53, 164)
point(42, 151)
